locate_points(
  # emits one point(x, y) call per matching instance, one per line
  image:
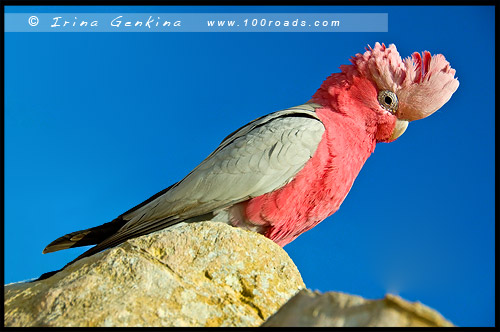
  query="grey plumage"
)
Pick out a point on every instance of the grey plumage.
point(258, 158)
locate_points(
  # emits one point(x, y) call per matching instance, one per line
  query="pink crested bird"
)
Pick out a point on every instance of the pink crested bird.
point(283, 173)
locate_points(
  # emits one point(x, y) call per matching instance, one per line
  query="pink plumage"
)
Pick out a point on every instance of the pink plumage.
point(354, 123)
point(320, 187)
point(282, 174)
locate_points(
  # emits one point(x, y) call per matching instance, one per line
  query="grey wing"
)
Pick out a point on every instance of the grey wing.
point(258, 158)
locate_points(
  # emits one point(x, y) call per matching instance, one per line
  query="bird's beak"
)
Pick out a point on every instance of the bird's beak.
point(399, 129)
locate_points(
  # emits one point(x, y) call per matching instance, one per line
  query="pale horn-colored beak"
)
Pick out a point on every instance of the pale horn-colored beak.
point(399, 129)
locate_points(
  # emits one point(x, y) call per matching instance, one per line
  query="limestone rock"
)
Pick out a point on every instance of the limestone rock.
point(334, 309)
point(199, 274)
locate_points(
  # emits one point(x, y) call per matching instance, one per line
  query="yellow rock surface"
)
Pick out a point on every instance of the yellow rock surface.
point(199, 274)
point(335, 309)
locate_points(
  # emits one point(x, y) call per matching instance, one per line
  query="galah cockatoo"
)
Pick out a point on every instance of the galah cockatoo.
point(283, 173)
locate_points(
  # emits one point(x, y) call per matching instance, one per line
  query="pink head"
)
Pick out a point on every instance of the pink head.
point(410, 89)
point(422, 83)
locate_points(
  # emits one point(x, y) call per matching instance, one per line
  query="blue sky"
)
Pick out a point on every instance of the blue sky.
point(95, 123)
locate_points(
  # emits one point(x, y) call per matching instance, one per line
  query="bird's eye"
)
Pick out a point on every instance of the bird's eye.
point(388, 100)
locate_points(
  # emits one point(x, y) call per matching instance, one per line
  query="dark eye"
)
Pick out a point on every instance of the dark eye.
point(388, 100)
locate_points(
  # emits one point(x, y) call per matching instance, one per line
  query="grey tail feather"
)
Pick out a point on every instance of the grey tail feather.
point(94, 235)
point(85, 237)
point(81, 238)
point(46, 275)
point(106, 230)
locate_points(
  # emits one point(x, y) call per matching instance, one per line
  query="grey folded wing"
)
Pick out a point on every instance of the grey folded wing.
point(258, 158)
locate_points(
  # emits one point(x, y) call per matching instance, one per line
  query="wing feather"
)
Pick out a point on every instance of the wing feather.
point(258, 158)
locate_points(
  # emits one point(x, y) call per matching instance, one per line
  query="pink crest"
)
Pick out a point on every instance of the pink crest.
point(423, 83)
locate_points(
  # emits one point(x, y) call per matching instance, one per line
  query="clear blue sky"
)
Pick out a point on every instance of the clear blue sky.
point(97, 122)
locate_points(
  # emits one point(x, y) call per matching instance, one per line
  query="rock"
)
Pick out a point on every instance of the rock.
point(335, 309)
point(199, 274)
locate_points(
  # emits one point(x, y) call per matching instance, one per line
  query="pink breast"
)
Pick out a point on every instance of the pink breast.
point(319, 189)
